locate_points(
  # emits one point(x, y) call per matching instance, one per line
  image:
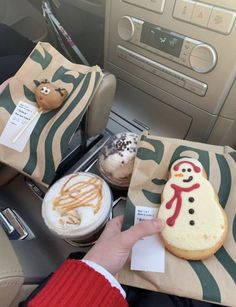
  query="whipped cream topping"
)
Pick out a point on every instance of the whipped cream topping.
point(116, 161)
point(76, 205)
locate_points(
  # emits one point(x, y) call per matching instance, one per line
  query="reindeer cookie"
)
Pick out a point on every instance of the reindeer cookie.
point(196, 224)
point(48, 96)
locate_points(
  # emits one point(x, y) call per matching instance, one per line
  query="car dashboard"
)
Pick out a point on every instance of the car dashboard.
point(175, 64)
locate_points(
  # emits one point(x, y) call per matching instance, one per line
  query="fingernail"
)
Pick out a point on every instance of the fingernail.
point(159, 224)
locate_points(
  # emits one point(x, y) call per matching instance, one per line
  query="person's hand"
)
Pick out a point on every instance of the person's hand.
point(113, 247)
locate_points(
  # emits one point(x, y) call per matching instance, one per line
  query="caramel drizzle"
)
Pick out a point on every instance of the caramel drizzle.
point(78, 195)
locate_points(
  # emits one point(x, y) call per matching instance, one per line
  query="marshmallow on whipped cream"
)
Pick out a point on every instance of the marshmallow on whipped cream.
point(77, 205)
point(116, 161)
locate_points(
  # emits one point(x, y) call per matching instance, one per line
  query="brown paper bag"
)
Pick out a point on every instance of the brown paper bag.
point(53, 131)
point(212, 279)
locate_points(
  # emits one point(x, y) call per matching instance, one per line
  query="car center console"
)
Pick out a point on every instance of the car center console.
point(175, 63)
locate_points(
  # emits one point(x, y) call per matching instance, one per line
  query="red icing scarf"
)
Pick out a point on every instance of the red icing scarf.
point(177, 196)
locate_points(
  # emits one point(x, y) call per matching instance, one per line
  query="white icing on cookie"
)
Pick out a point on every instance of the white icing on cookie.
point(194, 219)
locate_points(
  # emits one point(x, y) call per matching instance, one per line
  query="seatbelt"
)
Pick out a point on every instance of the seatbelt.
point(47, 13)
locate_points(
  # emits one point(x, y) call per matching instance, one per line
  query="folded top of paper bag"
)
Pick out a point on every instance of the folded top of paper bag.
point(39, 150)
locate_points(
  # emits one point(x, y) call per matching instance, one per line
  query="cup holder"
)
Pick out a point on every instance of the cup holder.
point(87, 164)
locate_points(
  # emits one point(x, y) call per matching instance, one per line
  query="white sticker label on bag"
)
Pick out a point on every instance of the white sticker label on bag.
point(20, 118)
point(147, 254)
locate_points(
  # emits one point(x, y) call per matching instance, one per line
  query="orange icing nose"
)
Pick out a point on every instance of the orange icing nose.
point(178, 175)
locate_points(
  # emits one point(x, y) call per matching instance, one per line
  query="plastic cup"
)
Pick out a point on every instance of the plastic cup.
point(77, 207)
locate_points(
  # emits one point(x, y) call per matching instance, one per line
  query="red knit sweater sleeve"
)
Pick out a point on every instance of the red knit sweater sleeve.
point(75, 284)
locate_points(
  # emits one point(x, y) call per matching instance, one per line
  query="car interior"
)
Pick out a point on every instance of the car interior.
point(169, 69)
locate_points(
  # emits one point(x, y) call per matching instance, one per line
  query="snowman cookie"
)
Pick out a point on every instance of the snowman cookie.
point(196, 224)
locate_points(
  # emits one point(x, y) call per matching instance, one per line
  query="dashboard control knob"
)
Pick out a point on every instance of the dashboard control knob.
point(126, 28)
point(203, 58)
